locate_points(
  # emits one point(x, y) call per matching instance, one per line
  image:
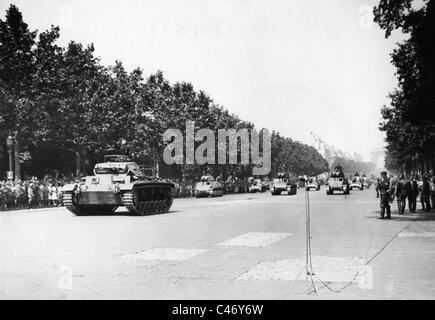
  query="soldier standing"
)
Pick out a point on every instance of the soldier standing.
point(384, 193)
point(401, 194)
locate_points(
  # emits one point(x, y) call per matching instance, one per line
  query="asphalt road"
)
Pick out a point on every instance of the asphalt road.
point(248, 246)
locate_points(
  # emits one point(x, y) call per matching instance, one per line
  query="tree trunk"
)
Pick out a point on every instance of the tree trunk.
point(78, 164)
point(432, 162)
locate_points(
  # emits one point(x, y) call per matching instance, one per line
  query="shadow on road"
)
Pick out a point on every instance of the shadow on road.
point(122, 214)
point(418, 216)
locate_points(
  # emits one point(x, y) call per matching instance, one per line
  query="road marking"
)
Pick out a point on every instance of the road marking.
point(254, 239)
point(165, 254)
point(329, 269)
point(417, 234)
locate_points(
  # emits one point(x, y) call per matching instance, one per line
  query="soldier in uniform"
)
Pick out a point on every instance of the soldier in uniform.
point(401, 194)
point(384, 193)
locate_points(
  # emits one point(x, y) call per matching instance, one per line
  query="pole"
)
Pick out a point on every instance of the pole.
point(308, 262)
point(10, 159)
point(308, 268)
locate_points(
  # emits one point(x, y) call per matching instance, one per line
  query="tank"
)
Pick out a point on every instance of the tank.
point(257, 186)
point(357, 183)
point(283, 183)
point(209, 187)
point(338, 182)
point(117, 182)
point(312, 183)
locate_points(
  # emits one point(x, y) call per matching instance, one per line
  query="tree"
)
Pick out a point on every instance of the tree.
point(62, 102)
point(17, 65)
point(409, 121)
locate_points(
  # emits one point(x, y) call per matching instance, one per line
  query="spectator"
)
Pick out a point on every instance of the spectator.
point(54, 197)
point(412, 194)
point(31, 195)
point(425, 195)
point(432, 191)
point(45, 195)
point(401, 194)
point(19, 195)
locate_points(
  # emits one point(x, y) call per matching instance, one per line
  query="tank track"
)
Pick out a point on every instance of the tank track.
point(144, 199)
point(68, 202)
point(148, 199)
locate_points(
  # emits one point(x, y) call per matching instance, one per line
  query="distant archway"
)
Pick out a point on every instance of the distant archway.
point(378, 158)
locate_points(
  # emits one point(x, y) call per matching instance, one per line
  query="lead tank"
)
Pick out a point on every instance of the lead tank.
point(116, 182)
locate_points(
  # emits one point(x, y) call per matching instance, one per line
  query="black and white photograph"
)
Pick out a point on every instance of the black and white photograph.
point(217, 150)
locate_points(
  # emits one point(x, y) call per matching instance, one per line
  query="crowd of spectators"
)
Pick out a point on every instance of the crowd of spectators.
point(183, 189)
point(31, 193)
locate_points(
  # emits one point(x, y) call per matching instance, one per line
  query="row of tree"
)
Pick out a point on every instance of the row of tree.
point(67, 110)
point(409, 120)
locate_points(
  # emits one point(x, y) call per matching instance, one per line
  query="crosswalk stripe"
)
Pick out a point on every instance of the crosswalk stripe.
point(254, 239)
point(165, 254)
point(416, 234)
point(329, 269)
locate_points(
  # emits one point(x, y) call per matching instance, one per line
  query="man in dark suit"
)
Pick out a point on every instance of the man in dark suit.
point(432, 192)
point(425, 194)
point(412, 194)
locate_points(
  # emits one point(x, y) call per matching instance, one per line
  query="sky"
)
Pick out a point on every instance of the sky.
point(295, 66)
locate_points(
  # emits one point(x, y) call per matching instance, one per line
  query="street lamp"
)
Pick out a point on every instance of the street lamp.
point(10, 142)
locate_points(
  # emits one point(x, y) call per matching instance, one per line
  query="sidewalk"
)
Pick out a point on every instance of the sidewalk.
point(403, 268)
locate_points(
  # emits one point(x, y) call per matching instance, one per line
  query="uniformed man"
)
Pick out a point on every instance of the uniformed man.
point(401, 194)
point(384, 193)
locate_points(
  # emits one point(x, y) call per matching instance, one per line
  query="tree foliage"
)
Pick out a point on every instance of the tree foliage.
point(62, 102)
point(350, 167)
point(409, 120)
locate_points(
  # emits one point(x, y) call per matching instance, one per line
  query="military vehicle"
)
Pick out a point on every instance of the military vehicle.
point(365, 181)
point(257, 186)
point(283, 183)
point(337, 182)
point(117, 182)
point(312, 184)
point(356, 183)
point(266, 183)
point(209, 187)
